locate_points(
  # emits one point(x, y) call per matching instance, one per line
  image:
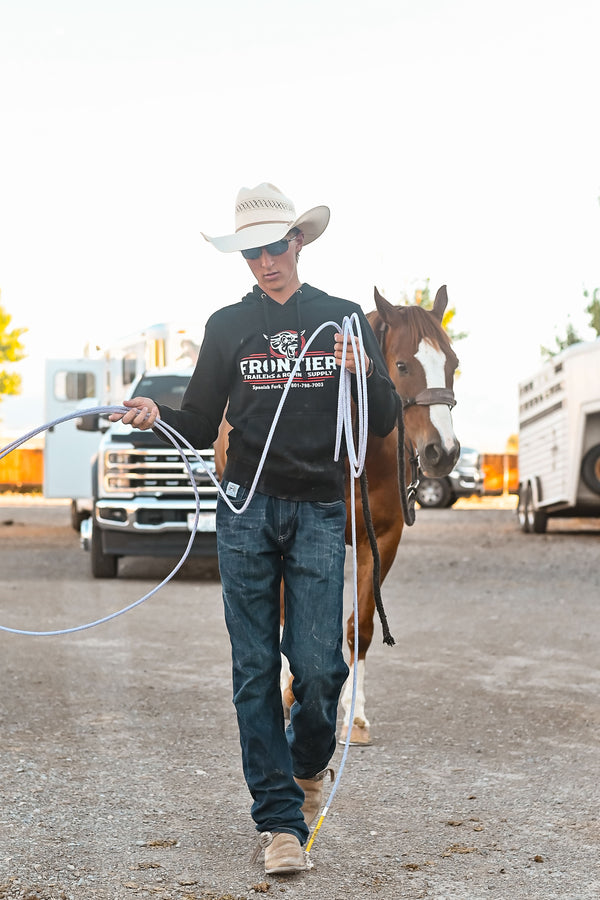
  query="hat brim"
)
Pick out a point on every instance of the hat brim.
point(312, 224)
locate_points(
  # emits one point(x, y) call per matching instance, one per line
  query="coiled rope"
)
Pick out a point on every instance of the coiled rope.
point(356, 457)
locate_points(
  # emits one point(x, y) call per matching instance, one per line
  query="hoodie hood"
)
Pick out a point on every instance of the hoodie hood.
point(271, 309)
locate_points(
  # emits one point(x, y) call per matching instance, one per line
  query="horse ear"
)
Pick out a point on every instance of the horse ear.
point(384, 308)
point(440, 303)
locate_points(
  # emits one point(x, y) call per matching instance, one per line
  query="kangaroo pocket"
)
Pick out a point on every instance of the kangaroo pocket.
point(301, 444)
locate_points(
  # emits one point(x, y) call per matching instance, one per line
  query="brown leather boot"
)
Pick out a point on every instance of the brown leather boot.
point(283, 853)
point(313, 794)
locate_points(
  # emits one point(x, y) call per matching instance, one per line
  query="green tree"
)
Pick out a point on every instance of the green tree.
point(11, 351)
point(423, 298)
point(571, 337)
point(593, 310)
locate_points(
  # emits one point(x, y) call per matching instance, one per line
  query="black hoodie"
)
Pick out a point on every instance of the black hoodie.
point(247, 354)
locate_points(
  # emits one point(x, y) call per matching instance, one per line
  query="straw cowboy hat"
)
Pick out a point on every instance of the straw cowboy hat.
point(263, 215)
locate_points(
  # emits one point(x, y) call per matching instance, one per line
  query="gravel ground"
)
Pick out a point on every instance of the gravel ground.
point(119, 759)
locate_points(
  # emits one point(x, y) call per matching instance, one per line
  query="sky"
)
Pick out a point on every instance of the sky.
point(453, 140)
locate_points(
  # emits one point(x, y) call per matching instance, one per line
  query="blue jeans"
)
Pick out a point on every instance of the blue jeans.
point(303, 544)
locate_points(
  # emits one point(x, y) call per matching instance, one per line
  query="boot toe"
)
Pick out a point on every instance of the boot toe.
point(284, 855)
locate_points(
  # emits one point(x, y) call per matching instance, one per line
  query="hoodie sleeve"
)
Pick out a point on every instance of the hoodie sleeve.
point(206, 395)
point(381, 393)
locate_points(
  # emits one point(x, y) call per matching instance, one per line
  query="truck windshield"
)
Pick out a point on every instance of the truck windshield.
point(166, 389)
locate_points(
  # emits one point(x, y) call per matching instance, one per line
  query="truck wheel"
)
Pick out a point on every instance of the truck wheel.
point(590, 469)
point(433, 493)
point(77, 516)
point(104, 565)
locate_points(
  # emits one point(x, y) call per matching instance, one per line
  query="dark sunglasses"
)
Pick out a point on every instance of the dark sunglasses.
point(274, 249)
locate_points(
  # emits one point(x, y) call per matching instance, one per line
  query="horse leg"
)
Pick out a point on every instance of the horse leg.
point(285, 676)
point(360, 728)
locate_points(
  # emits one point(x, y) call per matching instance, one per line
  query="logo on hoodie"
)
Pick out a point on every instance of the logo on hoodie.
point(285, 344)
point(272, 368)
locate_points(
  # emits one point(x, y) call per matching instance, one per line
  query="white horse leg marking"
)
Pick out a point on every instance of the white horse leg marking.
point(434, 365)
point(285, 674)
point(359, 706)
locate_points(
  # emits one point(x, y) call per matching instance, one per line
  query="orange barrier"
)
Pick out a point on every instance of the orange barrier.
point(22, 470)
point(501, 473)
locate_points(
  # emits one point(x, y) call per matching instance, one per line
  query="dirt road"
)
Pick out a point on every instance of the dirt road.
point(119, 759)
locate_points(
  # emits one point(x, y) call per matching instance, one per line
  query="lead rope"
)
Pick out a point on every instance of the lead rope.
point(356, 457)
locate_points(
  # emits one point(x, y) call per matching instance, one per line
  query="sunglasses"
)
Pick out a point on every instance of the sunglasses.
point(274, 249)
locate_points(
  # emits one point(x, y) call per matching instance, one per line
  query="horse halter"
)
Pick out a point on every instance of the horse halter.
point(426, 397)
point(431, 397)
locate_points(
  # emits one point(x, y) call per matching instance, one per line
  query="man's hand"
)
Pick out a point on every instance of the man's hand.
point(337, 351)
point(142, 414)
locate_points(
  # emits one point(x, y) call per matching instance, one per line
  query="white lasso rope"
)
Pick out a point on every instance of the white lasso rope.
point(356, 458)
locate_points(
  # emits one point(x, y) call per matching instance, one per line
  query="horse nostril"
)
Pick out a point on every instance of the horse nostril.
point(433, 454)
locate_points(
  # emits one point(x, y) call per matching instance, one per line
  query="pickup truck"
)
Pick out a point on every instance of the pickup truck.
point(143, 503)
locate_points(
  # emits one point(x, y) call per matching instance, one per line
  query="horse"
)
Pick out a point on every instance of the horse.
point(421, 363)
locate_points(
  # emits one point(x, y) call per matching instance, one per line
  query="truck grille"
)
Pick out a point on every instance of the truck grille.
point(155, 471)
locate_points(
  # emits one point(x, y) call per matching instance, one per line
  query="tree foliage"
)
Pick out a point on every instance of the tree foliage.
point(561, 343)
point(571, 337)
point(422, 297)
point(11, 351)
point(593, 310)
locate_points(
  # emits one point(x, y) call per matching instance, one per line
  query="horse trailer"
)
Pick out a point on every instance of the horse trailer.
point(559, 438)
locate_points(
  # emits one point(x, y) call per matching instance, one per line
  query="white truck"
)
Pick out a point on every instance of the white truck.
point(101, 377)
point(129, 492)
point(559, 438)
point(143, 503)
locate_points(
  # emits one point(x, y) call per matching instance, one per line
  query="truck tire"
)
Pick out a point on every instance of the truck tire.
point(104, 565)
point(434, 493)
point(77, 516)
point(590, 469)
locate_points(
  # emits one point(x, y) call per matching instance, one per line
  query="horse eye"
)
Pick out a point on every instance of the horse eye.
point(402, 368)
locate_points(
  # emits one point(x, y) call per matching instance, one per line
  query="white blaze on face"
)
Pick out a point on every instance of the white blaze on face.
point(434, 365)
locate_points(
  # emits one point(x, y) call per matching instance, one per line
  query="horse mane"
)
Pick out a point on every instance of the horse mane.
point(421, 323)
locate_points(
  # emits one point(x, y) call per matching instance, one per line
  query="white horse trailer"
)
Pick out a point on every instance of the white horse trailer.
point(559, 438)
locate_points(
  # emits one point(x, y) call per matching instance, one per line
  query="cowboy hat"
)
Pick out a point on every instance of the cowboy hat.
point(263, 215)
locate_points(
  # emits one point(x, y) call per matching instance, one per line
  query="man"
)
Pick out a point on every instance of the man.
point(294, 528)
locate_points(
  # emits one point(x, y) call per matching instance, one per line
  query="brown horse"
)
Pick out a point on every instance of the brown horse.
point(421, 363)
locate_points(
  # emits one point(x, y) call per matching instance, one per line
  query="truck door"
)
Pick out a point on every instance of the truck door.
point(71, 384)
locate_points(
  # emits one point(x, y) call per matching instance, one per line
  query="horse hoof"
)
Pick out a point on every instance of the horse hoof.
point(360, 736)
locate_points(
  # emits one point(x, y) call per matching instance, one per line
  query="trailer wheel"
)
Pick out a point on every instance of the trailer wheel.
point(532, 521)
point(590, 469)
point(104, 565)
point(537, 520)
point(522, 508)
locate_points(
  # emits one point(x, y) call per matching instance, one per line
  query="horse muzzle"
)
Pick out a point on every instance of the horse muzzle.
point(437, 460)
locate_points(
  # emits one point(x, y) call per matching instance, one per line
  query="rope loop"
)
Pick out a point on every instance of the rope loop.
point(344, 429)
point(356, 456)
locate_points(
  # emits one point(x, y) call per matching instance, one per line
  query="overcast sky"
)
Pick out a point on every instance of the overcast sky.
point(456, 141)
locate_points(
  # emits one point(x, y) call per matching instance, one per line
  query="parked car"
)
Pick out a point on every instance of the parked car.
point(465, 480)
